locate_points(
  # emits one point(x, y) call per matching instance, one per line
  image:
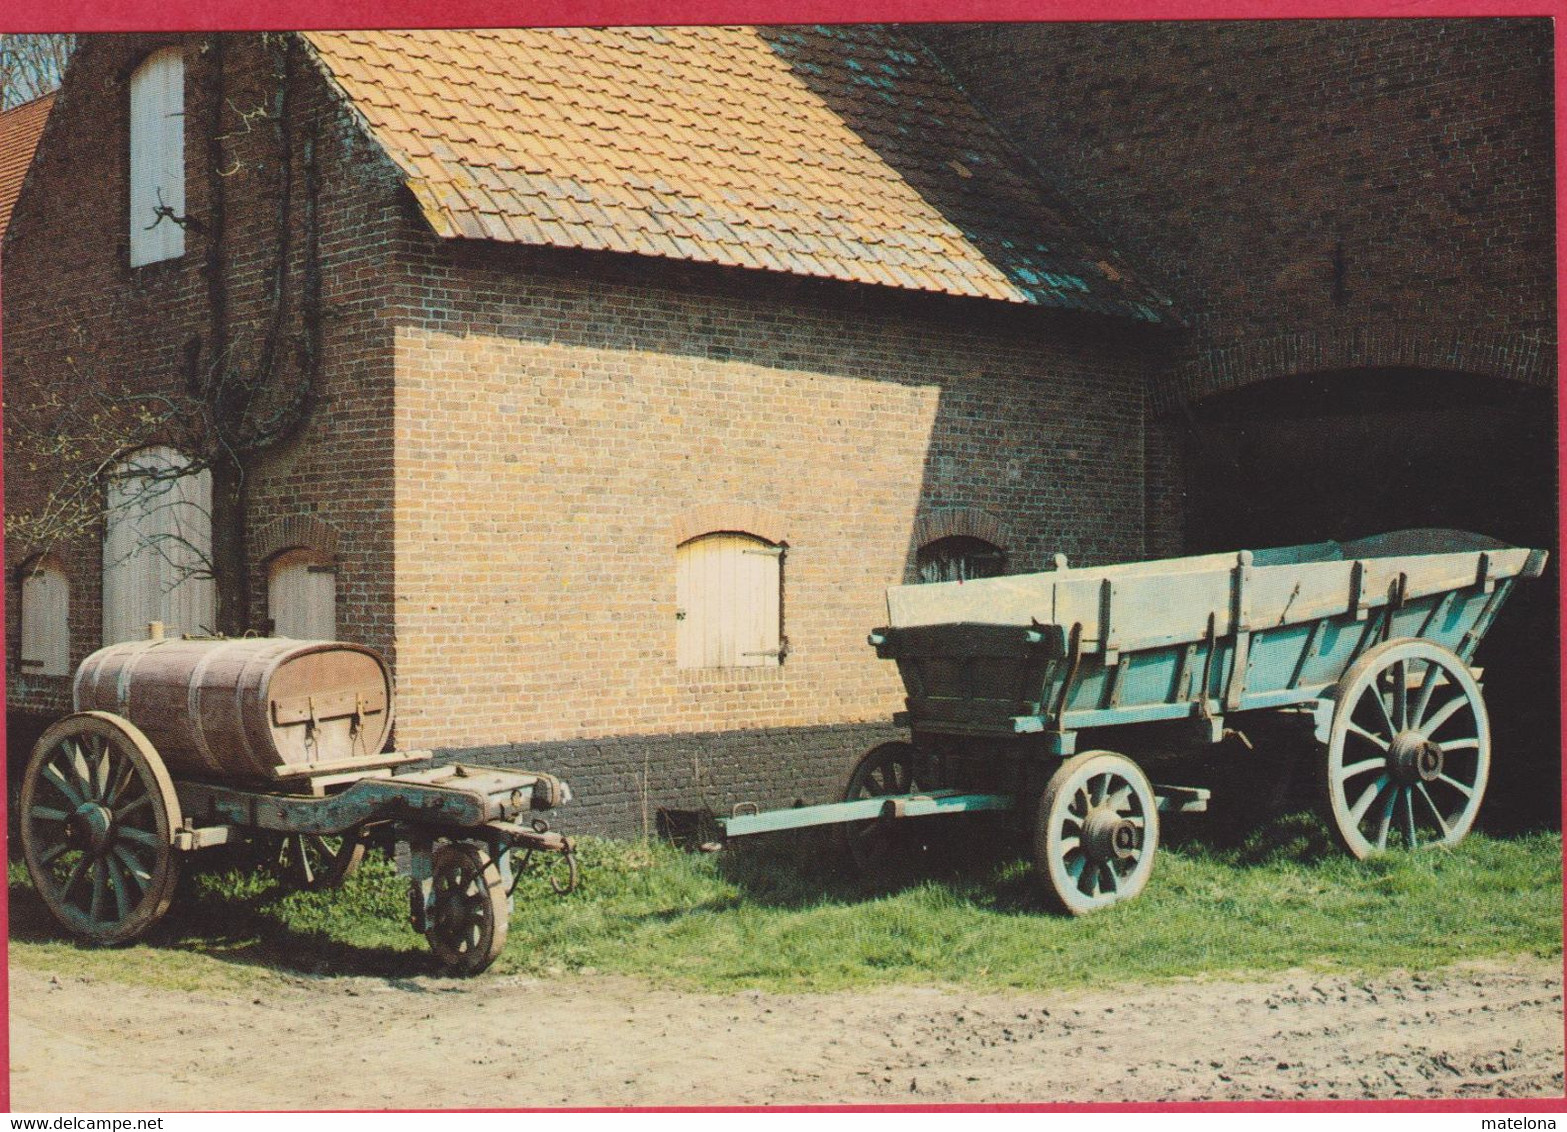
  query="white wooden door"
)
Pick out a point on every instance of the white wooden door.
point(302, 597)
point(46, 610)
point(157, 548)
point(728, 599)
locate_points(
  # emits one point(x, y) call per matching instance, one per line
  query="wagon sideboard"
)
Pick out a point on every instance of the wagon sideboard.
point(1079, 648)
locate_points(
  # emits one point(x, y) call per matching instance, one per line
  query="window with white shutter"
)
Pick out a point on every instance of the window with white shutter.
point(46, 611)
point(157, 547)
point(728, 593)
point(302, 596)
point(157, 188)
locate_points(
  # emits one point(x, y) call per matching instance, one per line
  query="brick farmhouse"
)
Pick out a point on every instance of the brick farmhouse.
point(632, 365)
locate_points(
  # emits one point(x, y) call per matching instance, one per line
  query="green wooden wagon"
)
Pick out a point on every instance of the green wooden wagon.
point(1373, 639)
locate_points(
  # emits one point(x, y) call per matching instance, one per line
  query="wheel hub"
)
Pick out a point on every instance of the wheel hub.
point(90, 827)
point(1414, 758)
point(1107, 836)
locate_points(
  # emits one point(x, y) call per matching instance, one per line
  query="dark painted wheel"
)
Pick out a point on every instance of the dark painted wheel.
point(98, 814)
point(1096, 833)
point(883, 846)
point(311, 861)
point(1409, 750)
point(468, 921)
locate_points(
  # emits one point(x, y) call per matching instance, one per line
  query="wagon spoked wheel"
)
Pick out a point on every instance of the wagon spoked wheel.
point(1409, 751)
point(313, 862)
point(98, 814)
point(1096, 833)
point(880, 845)
point(468, 920)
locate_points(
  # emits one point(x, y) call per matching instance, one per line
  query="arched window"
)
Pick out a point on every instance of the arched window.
point(157, 189)
point(959, 558)
point(728, 589)
point(157, 547)
point(46, 612)
point(302, 596)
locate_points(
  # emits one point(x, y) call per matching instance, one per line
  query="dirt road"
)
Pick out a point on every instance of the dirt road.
point(1491, 1030)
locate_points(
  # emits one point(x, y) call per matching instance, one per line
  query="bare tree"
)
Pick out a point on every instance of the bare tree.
point(31, 65)
point(241, 392)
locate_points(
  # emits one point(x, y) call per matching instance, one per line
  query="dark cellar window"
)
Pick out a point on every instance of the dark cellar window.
point(959, 558)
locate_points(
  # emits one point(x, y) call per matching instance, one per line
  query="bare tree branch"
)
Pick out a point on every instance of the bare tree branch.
point(31, 66)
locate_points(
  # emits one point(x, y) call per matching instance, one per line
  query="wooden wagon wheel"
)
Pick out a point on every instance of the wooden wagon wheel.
point(314, 862)
point(1409, 750)
point(468, 919)
point(1096, 833)
point(879, 846)
point(98, 816)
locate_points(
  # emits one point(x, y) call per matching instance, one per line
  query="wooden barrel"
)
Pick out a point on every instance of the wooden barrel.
point(252, 708)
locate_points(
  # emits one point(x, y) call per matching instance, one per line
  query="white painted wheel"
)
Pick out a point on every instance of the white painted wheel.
point(1096, 833)
point(1409, 751)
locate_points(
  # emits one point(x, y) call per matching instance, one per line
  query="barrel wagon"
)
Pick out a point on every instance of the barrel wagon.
point(181, 745)
point(1372, 641)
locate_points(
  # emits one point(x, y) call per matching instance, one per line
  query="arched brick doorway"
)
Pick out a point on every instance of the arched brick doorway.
point(1342, 453)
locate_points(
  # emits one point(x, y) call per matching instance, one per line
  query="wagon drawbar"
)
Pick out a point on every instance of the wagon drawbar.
point(182, 745)
point(1373, 638)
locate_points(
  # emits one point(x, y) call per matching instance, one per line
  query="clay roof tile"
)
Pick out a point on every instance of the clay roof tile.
point(812, 151)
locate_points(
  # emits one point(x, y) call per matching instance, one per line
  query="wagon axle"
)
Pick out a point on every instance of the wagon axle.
point(1107, 836)
point(1413, 758)
point(92, 827)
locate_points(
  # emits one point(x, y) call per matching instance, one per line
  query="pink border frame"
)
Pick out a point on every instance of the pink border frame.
point(157, 15)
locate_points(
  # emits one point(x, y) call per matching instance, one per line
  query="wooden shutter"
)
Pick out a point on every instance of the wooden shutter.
point(157, 548)
point(727, 590)
point(302, 597)
point(157, 157)
point(46, 609)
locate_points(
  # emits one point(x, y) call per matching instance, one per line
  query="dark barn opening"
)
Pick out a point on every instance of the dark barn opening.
point(1343, 455)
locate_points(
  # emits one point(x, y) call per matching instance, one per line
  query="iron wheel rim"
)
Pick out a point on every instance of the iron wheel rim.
point(1409, 750)
point(98, 811)
point(468, 915)
point(1095, 798)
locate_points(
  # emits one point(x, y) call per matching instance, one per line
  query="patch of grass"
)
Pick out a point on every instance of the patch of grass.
point(775, 914)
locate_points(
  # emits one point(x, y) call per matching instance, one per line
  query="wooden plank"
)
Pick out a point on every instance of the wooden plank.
point(968, 710)
point(357, 769)
point(932, 804)
point(964, 639)
point(327, 705)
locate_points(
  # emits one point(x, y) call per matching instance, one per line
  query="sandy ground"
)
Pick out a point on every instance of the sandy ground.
point(1479, 1031)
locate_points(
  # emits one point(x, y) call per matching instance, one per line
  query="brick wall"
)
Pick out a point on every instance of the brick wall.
point(620, 784)
point(79, 319)
point(553, 429)
point(1317, 194)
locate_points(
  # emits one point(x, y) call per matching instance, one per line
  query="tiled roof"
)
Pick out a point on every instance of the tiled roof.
point(20, 129)
point(841, 153)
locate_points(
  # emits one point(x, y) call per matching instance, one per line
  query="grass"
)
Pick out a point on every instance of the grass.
point(775, 914)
